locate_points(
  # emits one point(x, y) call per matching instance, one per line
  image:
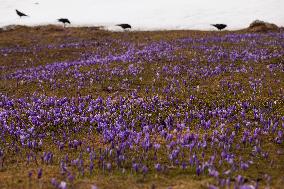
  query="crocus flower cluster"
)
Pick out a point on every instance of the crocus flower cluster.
point(169, 118)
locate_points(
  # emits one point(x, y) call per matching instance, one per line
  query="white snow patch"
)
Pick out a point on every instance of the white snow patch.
point(144, 14)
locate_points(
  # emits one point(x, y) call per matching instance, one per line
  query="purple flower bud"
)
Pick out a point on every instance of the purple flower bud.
point(158, 167)
point(39, 174)
point(70, 177)
point(144, 169)
point(54, 182)
point(135, 167)
point(244, 166)
point(198, 170)
point(30, 174)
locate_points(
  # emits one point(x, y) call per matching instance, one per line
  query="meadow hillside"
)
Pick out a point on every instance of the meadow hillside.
point(87, 108)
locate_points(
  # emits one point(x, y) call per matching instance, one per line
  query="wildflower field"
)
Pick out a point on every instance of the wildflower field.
point(86, 108)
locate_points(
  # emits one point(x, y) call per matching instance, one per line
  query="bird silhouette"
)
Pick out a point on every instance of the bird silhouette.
point(64, 21)
point(124, 26)
point(219, 26)
point(20, 14)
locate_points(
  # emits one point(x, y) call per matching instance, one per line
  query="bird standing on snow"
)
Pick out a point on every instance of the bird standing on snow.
point(20, 14)
point(219, 26)
point(64, 21)
point(124, 26)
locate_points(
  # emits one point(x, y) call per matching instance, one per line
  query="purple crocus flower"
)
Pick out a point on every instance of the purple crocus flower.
point(93, 186)
point(54, 182)
point(39, 174)
point(247, 186)
point(62, 185)
point(158, 167)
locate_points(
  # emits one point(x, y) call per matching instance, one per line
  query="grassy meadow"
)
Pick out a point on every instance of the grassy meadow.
point(87, 108)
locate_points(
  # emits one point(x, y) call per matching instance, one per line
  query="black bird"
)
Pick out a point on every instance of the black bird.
point(219, 26)
point(20, 14)
point(124, 26)
point(64, 21)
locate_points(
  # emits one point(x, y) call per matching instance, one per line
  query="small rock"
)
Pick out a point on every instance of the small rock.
point(261, 26)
